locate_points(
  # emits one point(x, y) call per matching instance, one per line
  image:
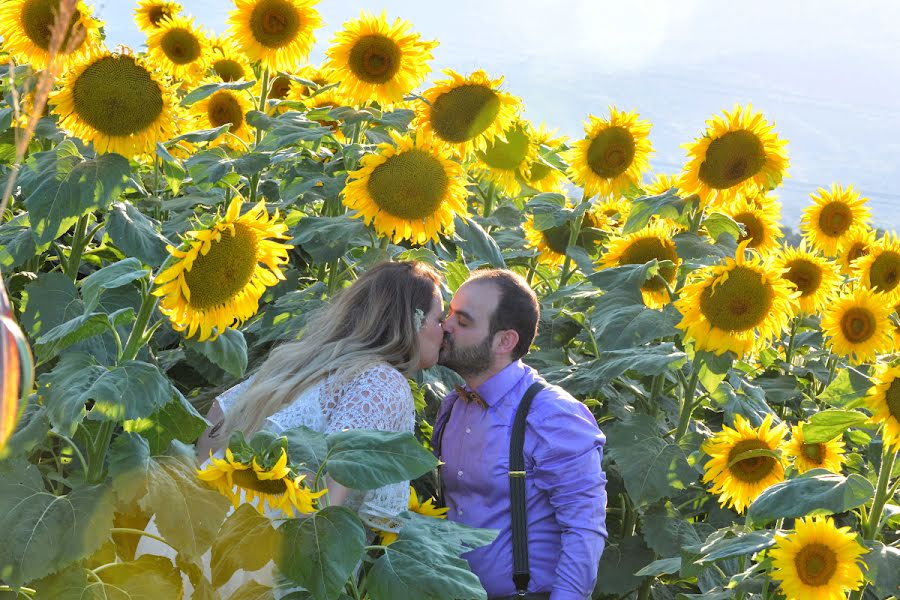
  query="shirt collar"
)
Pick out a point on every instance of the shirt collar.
point(500, 384)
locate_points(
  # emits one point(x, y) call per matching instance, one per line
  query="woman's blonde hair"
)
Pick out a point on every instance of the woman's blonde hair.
point(371, 321)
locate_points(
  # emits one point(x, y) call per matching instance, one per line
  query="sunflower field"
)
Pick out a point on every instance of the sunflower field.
point(169, 216)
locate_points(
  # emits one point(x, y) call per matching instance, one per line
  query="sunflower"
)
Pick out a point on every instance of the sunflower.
point(280, 88)
point(830, 220)
point(814, 276)
point(25, 26)
point(817, 561)
point(542, 175)
point(411, 191)
point(466, 112)
point(551, 243)
point(738, 154)
point(858, 326)
point(857, 245)
point(738, 481)
point(321, 76)
point(506, 158)
point(228, 63)
point(652, 242)
point(149, 13)
point(426, 508)
point(613, 156)
point(329, 98)
point(218, 279)
point(826, 455)
point(616, 211)
point(739, 306)
point(377, 60)
point(879, 269)
point(221, 107)
point(883, 399)
point(661, 184)
point(760, 221)
point(115, 101)
point(276, 487)
point(278, 33)
point(179, 49)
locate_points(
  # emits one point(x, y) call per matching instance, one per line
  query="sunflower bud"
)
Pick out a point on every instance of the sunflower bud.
point(16, 367)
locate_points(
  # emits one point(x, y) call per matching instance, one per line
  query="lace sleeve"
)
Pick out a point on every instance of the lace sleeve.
point(379, 398)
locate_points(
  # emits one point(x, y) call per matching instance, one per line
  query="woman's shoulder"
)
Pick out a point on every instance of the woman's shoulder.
point(384, 373)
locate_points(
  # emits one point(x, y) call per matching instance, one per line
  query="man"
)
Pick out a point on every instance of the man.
point(490, 326)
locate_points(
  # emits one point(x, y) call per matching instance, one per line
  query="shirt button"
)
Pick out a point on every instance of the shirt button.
point(459, 473)
point(468, 430)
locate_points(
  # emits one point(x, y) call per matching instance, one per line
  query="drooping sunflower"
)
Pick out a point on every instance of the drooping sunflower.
point(148, 14)
point(25, 26)
point(221, 107)
point(662, 183)
point(737, 154)
point(738, 306)
point(318, 75)
point(826, 455)
point(228, 63)
point(411, 191)
point(504, 160)
point(466, 112)
point(830, 220)
point(179, 48)
point(858, 326)
point(542, 175)
point(817, 561)
point(883, 399)
point(115, 101)
point(814, 276)
point(278, 487)
point(652, 242)
point(551, 243)
point(613, 156)
point(879, 269)
point(761, 221)
point(277, 33)
point(426, 508)
point(218, 278)
point(377, 60)
point(856, 246)
point(738, 481)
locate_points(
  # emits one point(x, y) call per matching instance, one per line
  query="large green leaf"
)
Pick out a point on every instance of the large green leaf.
point(43, 532)
point(476, 243)
point(17, 244)
point(742, 545)
point(208, 89)
point(52, 300)
point(246, 541)
point(454, 538)
point(847, 389)
point(826, 425)
point(306, 447)
point(253, 591)
point(63, 390)
point(587, 378)
point(228, 351)
point(78, 330)
point(136, 234)
point(619, 565)
point(176, 420)
point(320, 552)
point(148, 577)
point(131, 390)
point(329, 238)
point(110, 277)
point(71, 582)
point(666, 531)
point(668, 205)
point(365, 460)
point(129, 467)
point(883, 564)
point(288, 129)
point(816, 492)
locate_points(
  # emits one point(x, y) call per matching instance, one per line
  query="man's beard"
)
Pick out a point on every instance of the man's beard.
point(467, 361)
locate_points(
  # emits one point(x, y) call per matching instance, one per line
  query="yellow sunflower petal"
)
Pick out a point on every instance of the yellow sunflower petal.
point(858, 326)
point(25, 27)
point(829, 222)
point(277, 33)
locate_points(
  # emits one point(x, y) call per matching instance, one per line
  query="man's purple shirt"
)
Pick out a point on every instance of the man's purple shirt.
point(565, 486)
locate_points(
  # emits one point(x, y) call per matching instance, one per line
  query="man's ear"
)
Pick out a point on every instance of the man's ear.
point(505, 341)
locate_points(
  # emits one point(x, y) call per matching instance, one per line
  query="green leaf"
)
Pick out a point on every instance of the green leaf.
point(454, 538)
point(110, 277)
point(742, 545)
point(667, 205)
point(588, 377)
point(846, 390)
point(826, 425)
point(71, 332)
point(176, 420)
point(306, 447)
point(136, 235)
point(148, 577)
point(666, 531)
point(412, 569)
point(63, 390)
point(652, 467)
point(71, 582)
point(246, 541)
point(717, 224)
point(52, 300)
point(364, 460)
point(228, 351)
point(816, 492)
point(288, 129)
point(456, 273)
point(254, 591)
point(43, 532)
point(320, 552)
point(883, 564)
point(663, 566)
point(129, 467)
point(328, 238)
point(619, 565)
point(207, 90)
point(131, 390)
point(475, 241)
point(17, 244)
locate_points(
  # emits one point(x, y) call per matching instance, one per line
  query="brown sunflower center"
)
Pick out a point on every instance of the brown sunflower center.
point(557, 238)
point(375, 58)
point(155, 14)
point(755, 229)
point(507, 155)
point(38, 17)
point(739, 303)
point(223, 108)
point(805, 275)
point(409, 185)
point(539, 171)
point(274, 23)
point(181, 46)
point(816, 564)
point(731, 159)
point(858, 324)
point(857, 250)
point(892, 398)
point(814, 453)
point(280, 88)
point(218, 276)
point(752, 469)
point(885, 273)
point(228, 70)
point(646, 249)
point(248, 480)
point(464, 112)
point(611, 152)
point(117, 96)
point(835, 219)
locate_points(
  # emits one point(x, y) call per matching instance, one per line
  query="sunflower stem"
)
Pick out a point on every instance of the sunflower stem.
point(138, 331)
point(21, 590)
point(263, 92)
point(143, 533)
point(75, 448)
point(97, 452)
point(789, 354)
point(489, 200)
point(79, 240)
point(351, 585)
point(687, 402)
point(644, 591)
point(873, 524)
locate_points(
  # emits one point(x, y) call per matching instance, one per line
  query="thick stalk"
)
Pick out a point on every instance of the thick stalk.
point(872, 526)
point(489, 200)
point(644, 591)
point(97, 452)
point(789, 354)
point(136, 337)
point(78, 243)
point(687, 402)
point(263, 93)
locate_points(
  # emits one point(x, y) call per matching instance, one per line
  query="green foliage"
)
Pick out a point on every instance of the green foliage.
point(815, 492)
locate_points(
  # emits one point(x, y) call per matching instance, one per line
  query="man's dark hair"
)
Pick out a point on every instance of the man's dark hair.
point(517, 307)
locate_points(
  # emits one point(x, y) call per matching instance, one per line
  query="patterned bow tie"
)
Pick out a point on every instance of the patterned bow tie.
point(470, 396)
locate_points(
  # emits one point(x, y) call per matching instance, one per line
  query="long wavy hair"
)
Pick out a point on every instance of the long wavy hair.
point(372, 321)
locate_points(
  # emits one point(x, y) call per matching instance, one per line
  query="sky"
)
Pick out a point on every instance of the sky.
point(826, 72)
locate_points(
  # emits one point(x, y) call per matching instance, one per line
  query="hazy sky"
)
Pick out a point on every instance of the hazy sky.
point(827, 72)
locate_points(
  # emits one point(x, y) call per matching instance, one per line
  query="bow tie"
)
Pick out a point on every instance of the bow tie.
point(469, 396)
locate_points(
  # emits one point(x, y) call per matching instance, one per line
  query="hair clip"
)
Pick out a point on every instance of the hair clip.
point(419, 318)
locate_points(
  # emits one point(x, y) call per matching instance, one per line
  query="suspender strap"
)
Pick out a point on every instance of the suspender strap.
point(521, 574)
